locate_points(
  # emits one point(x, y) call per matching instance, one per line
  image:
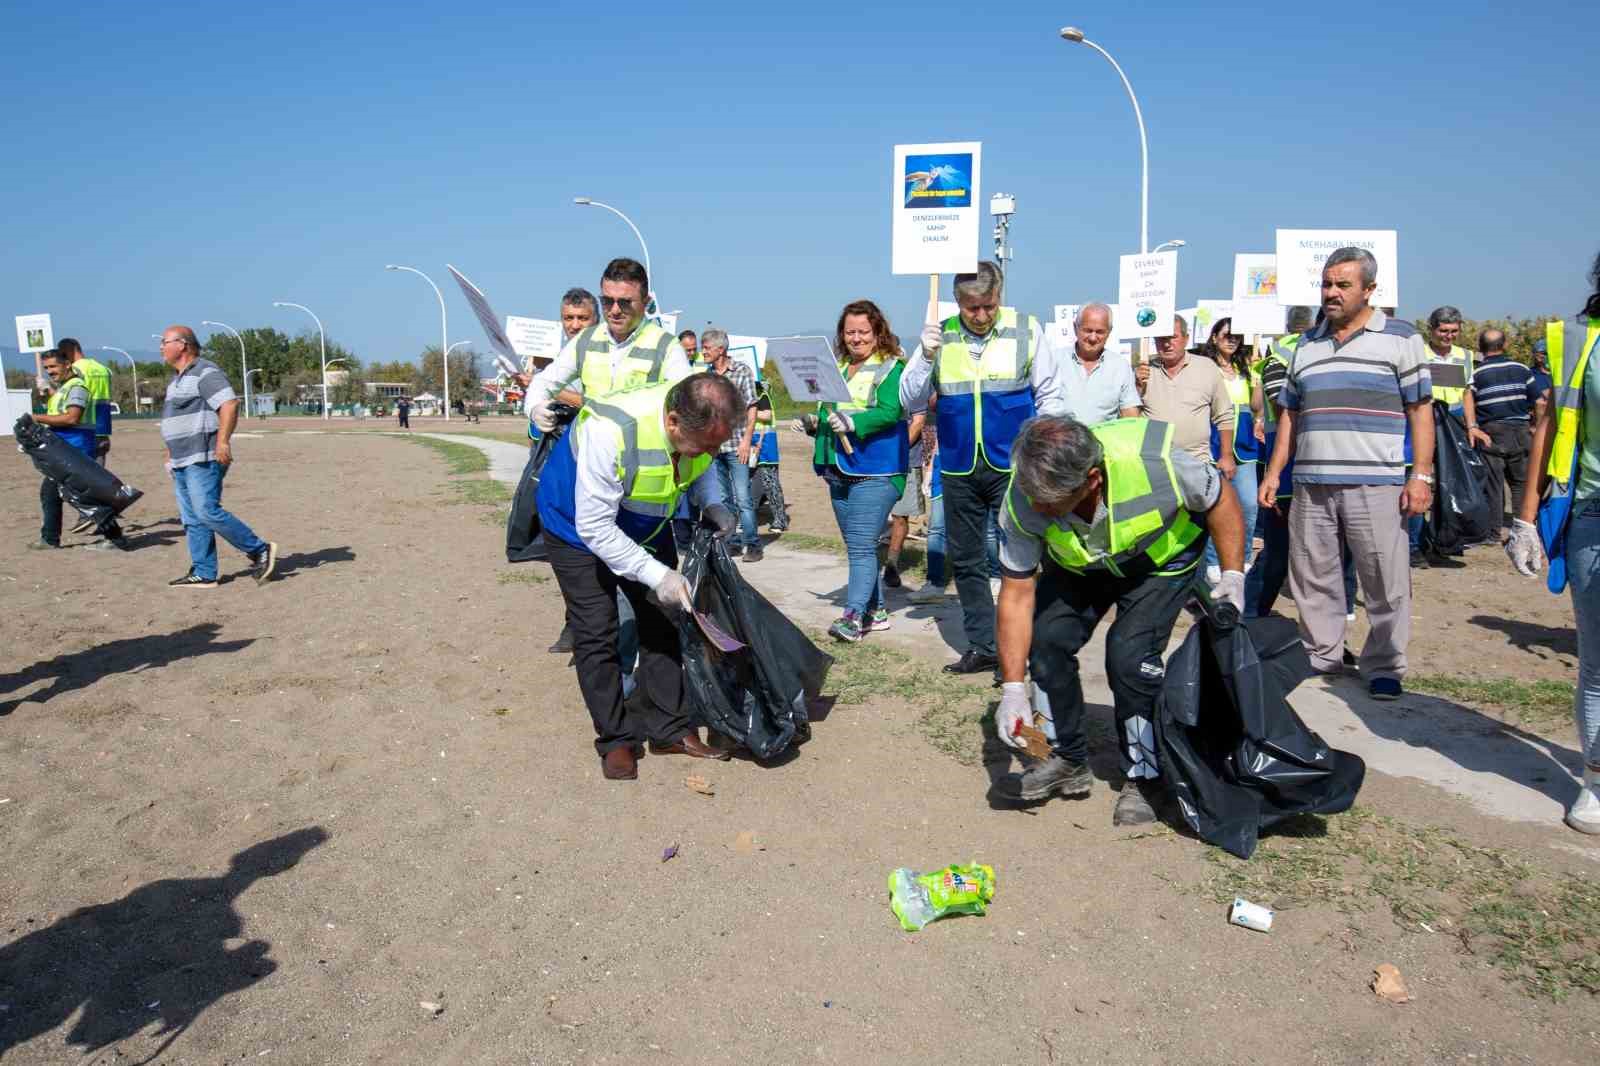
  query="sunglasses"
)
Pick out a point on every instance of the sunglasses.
point(622, 303)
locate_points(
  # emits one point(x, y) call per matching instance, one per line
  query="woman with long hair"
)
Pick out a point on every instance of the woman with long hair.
point(1566, 449)
point(865, 481)
point(1226, 348)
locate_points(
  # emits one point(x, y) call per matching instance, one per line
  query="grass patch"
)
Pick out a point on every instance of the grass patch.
point(470, 483)
point(522, 577)
point(1540, 930)
point(461, 458)
point(484, 491)
point(1537, 704)
point(508, 438)
point(913, 558)
point(951, 711)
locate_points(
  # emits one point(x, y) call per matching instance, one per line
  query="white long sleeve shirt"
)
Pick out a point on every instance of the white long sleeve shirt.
point(563, 372)
point(916, 380)
point(598, 497)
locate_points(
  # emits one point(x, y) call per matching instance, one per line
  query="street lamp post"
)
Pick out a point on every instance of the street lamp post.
point(244, 366)
point(444, 330)
point(1164, 245)
point(133, 366)
point(1072, 33)
point(650, 297)
point(322, 339)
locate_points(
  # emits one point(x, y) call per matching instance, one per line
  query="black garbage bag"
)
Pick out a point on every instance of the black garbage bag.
point(89, 487)
point(523, 543)
point(1234, 753)
point(1462, 511)
point(757, 694)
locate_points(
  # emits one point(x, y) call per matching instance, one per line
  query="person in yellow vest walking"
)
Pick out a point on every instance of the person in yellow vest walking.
point(98, 378)
point(1115, 516)
point(992, 369)
point(618, 352)
point(67, 413)
point(606, 499)
point(864, 483)
point(1566, 450)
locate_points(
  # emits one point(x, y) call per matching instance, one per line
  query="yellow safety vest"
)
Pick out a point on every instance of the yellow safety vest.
point(885, 453)
point(651, 482)
point(1567, 397)
point(641, 366)
point(983, 402)
point(1461, 357)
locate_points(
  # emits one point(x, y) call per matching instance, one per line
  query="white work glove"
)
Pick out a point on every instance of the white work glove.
point(840, 423)
point(1230, 589)
point(542, 416)
point(1523, 548)
point(932, 338)
point(672, 592)
point(1014, 713)
point(806, 424)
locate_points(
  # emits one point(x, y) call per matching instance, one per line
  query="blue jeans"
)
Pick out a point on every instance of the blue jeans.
point(936, 574)
point(861, 507)
point(1583, 577)
point(199, 488)
point(734, 477)
point(1244, 483)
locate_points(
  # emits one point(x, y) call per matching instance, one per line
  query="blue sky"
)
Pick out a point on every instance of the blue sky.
point(179, 162)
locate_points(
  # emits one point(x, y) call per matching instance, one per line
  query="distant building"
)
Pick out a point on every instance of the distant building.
point(388, 390)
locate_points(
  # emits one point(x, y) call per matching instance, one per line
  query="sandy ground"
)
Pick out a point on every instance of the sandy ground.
point(270, 822)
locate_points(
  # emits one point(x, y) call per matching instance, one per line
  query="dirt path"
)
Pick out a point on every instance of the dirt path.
point(278, 819)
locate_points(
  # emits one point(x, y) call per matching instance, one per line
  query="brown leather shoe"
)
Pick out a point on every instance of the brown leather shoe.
point(689, 744)
point(619, 764)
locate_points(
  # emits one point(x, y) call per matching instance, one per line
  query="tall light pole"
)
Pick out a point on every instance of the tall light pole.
point(1164, 245)
point(444, 330)
point(1075, 35)
point(134, 366)
point(650, 297)
point(244, 367)
point(322, 339)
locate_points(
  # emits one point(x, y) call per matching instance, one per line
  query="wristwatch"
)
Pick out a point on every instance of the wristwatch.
point(1426, 479)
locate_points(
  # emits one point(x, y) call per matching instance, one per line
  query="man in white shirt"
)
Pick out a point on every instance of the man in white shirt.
point(1096, 387)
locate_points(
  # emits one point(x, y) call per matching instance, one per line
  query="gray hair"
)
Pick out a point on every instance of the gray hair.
point(986, 282)
point(714, 335)
point(1052, 457)
point(1444, 316)
point(704, 400)
point(581, 298)
point(1369, 265)
point(1077, 319)
point(1300, 319)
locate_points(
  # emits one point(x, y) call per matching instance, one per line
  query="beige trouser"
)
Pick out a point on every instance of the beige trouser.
point(1367, 517)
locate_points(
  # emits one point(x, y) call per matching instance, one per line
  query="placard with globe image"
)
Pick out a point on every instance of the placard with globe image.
point(938, 180)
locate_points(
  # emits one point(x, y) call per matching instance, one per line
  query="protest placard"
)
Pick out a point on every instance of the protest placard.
point(934, 203)
point(534, 338)
point(34, 333)
point(809, 370)
point(751, 351)
point(1207, 314)
point(1301, 253)
point(1255, 294)
point(1147, 294)
point(486, 316)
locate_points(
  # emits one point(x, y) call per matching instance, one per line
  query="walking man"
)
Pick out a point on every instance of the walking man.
point(196, 425)
point(992, 370)
point(1507, 396)
point(1357, 388)
point(733, 458)
point(67, 414)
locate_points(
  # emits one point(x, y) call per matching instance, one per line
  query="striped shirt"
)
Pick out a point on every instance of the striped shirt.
point(189, 418)
point(1504, 390)
point(1350, 402)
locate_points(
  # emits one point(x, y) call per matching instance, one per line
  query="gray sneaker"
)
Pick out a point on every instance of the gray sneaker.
point(1133, 805)
point(1055, 777)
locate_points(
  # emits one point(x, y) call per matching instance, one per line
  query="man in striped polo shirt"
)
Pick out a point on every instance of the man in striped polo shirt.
point(196, 424)
point(1505, 394)
point(1356, 401)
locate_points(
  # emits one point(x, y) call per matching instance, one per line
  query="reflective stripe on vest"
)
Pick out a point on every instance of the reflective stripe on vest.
point(983, 402)
point(1460, 357)
point(1147, 517)
point(1566, 397)
point(1283, 349)
point(886, 453)
point(98, 378)
point(641, 366)
point(80, 436)
point(1245, 447)
point(650, 484)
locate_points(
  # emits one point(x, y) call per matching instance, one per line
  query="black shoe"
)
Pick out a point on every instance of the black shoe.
point(563, 644)
point(754, 554)
point(1136, 805)
point(264, 562)
point(1054, 777)
point(891, 576)
point(1419, 561)
point(973, 662)
point(191, 580)
point(735, 550)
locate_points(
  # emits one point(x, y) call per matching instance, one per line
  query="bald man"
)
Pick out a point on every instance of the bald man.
point(196, 425)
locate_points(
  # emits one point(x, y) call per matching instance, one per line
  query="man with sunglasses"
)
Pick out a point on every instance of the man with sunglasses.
point(620, 351)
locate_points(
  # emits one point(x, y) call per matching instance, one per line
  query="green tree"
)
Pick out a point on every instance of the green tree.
point(465, 374)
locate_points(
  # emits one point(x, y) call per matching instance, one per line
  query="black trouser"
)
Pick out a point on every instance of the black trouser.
point(967, 503)
point(50, 504)
point(1067, 608)
point(590, 590)
point(1508, 464)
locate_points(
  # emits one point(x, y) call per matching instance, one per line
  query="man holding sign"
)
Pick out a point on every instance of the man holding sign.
point(993, 371)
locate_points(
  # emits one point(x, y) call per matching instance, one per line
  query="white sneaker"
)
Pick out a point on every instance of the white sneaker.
point(928, 593)
point(1584, 814)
